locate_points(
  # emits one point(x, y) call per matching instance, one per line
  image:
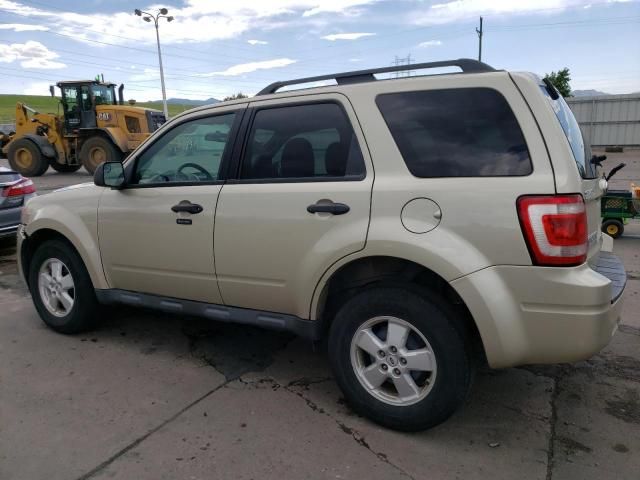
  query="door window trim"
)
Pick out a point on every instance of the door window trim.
point(130, 167)
point(235, 166)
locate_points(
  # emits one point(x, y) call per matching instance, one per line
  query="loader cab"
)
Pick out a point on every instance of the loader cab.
point(79, 101)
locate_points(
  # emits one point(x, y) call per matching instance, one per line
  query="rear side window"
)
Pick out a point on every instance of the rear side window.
point(581, 151)
point(314, 142)
point(470, 132)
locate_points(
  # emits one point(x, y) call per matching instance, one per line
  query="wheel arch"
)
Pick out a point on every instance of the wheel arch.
point(116, 136)
point(351, 277)
point(42, 143)
point(77, 237)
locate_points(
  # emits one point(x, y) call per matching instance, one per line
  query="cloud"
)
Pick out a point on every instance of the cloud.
point(346, 36)
point(257, 42)
point(457, 10)
point(146, 74)
point(250, 67)
point(430, 43)
point(31, 54)
point(21, 27)
point(36, 88)
point(195, 20)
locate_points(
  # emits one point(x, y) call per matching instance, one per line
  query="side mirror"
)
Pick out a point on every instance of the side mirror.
point(109, 174)
point(52, 91)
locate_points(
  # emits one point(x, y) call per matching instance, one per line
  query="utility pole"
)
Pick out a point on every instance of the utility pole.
point(402, 61)
point(479, 32)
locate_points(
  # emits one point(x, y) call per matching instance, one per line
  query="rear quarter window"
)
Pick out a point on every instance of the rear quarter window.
point(469, 132)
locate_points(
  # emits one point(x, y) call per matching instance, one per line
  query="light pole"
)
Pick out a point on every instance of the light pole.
point(147, 17)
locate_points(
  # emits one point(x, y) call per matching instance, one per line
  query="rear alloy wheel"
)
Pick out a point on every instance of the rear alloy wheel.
point(400, 357)
point(399, 370)
point(613, 227)
point(61, 288)
point(26, 158)
point(97, 150)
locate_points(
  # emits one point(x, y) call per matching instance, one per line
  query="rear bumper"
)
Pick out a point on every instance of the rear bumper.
point(9, 221)
point(544, 314)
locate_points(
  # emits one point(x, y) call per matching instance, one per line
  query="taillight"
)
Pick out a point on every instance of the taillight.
point(555, 229)
point(23, 187)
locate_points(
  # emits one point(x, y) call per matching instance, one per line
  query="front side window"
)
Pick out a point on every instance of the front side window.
point(466, 132)
point(314, 141)
point(103, 95)
point(190, 152)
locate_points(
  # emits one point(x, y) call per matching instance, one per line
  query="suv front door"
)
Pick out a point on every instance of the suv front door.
point(300, 201)
point(156, 235)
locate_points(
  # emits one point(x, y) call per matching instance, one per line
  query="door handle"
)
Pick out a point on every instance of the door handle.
point(332, 208)
point(187, 206)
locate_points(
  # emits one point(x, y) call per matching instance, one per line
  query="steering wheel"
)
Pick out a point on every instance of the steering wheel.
point(197, 167)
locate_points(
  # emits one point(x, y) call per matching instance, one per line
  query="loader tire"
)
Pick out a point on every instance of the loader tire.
point(97, 150)
point(26, 158)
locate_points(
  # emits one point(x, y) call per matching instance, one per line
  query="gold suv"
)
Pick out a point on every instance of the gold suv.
point(422, 225)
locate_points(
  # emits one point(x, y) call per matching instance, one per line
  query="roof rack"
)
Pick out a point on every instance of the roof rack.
point(467, 65)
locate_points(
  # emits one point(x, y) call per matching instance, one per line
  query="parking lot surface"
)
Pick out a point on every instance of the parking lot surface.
point(151, 396)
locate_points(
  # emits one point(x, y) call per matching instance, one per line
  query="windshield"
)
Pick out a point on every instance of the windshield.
point(104, 95)
point(569, 124)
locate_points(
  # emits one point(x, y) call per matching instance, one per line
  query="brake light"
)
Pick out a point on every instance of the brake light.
point(23, 187)
point(555, 229)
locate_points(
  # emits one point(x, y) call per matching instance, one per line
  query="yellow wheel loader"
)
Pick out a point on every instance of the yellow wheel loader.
point(95, 127)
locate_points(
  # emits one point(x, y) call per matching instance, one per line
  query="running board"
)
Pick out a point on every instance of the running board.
point(276, 321)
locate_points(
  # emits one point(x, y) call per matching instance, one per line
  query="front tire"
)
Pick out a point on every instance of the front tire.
point(26, 158)
point(61, 288)
point(399, 358)
point(97, 150)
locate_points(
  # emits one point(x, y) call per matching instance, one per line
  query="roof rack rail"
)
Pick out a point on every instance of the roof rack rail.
point(467, 65)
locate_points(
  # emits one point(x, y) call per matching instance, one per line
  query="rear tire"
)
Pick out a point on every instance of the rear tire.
point(64, 168)
point(613, 227)
point(97, 150)
point(426, 375)
point(26, 158)
point(61, 288)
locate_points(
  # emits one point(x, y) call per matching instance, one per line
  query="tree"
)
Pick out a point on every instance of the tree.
point(560, 80)
point(236, 96)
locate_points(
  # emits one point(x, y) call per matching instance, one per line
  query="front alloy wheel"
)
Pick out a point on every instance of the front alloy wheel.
point(61, 288)
point(56, 287)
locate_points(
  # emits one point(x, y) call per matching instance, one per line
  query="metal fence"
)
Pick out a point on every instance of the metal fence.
point(608, 119)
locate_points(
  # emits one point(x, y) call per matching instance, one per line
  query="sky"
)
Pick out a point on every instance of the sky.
point(216, 48)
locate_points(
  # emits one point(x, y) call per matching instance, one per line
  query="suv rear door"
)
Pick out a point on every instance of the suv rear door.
point(299, 202)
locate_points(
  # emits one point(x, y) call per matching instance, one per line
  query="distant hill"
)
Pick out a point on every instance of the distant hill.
point(588, 93)
point(47, 104)
point(187, 101)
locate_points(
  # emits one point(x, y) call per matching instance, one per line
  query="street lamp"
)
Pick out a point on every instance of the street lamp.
point(147, 17)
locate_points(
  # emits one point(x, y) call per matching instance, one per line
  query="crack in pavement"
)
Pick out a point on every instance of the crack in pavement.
point(231, 367)
point(305, 382)
point(553, 421)
point(142, 438)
